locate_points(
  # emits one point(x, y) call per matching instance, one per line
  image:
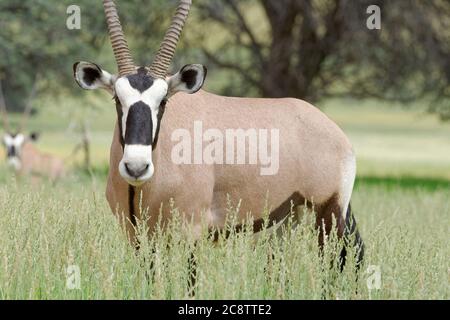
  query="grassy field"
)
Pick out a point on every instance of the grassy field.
point(401, 202)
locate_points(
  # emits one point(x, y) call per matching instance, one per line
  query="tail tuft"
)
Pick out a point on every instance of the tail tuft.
point(351, 231)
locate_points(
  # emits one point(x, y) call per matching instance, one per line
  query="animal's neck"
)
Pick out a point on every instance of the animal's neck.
point(28, 156)
point(28, 150)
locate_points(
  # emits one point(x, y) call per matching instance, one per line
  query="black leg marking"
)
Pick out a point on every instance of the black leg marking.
point(131, 193)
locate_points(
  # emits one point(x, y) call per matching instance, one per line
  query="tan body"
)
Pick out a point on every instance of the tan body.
point(316, 164)
point(38, 164)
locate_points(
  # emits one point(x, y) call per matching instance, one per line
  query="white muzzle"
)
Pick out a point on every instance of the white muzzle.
point(136, 166)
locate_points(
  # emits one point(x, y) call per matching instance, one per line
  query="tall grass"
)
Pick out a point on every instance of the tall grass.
point(45, 229)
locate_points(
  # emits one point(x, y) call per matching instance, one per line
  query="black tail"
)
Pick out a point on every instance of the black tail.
point(351, 232)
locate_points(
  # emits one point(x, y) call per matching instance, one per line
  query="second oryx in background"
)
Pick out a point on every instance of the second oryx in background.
point(21, 154)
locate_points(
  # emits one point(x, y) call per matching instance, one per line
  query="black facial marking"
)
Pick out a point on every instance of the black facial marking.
point(119, 119)
point(11, 152)
point(139, 127)
point(140, 81)
point(90, 75)
point(189, 77)
point(162, 108)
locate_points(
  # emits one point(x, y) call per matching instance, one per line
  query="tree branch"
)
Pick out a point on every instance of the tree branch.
point(231, 66)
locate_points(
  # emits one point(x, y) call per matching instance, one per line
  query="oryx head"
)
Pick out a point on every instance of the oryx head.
point(140, 92)
point(13, 141)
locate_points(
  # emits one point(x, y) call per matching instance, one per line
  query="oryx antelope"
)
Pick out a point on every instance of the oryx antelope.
point(316, 160)
point(21, 154)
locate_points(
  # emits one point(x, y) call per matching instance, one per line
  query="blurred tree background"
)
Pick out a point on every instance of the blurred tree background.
point(310, 49)
point(316, 49)
point(34, 39)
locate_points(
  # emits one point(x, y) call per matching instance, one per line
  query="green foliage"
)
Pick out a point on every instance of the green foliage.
point(242, 44)
point(316, 49)
point(34, 40)
point(405, 182)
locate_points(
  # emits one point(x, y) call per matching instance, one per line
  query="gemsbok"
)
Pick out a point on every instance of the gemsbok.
point(316, 160)
point(21, 154)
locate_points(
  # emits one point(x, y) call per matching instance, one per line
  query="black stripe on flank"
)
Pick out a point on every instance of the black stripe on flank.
point(139, 128)
point(275, 216)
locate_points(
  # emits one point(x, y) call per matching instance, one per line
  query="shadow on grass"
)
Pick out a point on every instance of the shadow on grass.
point(404, 182)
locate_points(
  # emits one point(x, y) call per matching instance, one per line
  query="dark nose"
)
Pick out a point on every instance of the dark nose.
point(136, 169)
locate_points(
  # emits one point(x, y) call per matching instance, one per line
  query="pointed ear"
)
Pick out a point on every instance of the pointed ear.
point(90, 76)
point(34, 136)
point(189, 79)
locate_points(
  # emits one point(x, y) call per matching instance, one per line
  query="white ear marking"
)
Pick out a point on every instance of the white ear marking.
point(189, 79)
point(90, 76)
point(7, 139)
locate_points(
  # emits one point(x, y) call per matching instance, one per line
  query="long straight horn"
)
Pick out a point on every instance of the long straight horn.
point(119, 43)
point(27, 111)
point(3, 110)
point(160, 65)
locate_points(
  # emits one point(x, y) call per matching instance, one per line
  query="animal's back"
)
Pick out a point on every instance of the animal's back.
point(40, 164)
point(312, 154)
